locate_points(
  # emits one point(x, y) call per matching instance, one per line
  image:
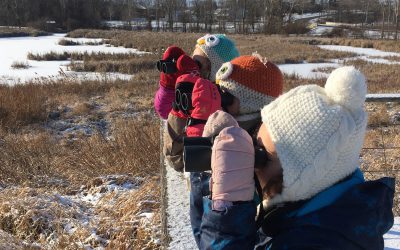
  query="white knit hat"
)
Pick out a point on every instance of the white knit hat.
point(318, 133)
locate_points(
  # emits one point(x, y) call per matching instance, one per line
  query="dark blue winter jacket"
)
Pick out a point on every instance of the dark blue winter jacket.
point(352, 214)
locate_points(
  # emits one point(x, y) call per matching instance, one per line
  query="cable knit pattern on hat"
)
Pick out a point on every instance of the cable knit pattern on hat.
point(219, 49)
point(254, 83)
point(318, 133)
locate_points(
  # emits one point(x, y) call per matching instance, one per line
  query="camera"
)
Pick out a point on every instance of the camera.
point(227, 98)
point(197, 153)
point(183, 97)
point(167, 66)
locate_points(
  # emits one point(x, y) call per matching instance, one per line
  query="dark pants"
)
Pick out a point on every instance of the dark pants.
point(199, 187)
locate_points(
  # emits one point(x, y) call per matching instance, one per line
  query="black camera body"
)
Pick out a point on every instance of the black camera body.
point(183, 97)
point(197, 153)
point(167, 66)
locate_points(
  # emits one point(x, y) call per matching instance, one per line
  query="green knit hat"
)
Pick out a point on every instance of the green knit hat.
point(219, 49)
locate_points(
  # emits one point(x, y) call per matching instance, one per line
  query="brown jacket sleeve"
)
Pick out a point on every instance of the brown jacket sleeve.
point(173, 141)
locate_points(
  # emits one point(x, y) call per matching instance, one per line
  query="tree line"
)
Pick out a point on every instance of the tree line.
point(241, 16)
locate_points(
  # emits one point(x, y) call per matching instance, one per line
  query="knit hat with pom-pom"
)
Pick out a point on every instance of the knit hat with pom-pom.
point(219, 49)
point(318, 133)
point(252, 81)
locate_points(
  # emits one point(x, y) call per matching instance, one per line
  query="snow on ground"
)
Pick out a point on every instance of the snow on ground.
point(178, 219)
point(392, 238)
point(320, 30)
point(81, 214)
point(306, 70)
point(310, 70)
point(16, 50)
point(359, 51)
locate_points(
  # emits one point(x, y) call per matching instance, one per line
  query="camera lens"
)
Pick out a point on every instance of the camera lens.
point(159, 66)
point(187, 101)
point(178, 97)
point(169, 67)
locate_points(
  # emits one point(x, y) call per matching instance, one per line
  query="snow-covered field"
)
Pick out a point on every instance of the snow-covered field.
point(83, 215)
point(16, 50)
point(310, 70)
point(392, 238)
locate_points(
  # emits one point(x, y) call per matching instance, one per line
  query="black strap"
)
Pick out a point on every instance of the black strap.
point(193, 121)
point(261, 212)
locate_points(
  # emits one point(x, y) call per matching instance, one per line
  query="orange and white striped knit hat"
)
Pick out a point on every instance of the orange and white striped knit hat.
point(252, 81)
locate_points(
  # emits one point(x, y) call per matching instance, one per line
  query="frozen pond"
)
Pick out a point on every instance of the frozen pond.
point(16, 50)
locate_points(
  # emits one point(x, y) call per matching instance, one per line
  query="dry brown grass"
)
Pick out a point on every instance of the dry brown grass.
point(22, 104)
point(276, 48)
point(50, 56)
point(56, 221)
point(23, 31)
point(127, 66)
point(39, 165)
point(94, 56)
point(285, 49)
point(381, 78)
point(31, 103)
point(37, 159)
point(20, 65)
point(378, 115)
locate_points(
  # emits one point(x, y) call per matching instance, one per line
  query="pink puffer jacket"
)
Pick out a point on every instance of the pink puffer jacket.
point(163, 101)
point(232, 165)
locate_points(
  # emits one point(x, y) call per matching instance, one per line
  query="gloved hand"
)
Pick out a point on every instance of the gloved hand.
point(163, 101)
point(232, 165)
point(168, 80)
point(166, 93)
point(205, 101)
point(217, 121)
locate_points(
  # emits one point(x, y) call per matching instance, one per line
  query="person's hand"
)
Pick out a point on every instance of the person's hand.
point(168, 80)
point(205, 101)
point(232, 165)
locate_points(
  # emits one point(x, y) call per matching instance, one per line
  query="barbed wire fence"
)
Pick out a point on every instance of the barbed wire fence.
point(380, 155)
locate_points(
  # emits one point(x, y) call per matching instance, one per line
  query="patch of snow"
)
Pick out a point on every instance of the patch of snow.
point(392, 238)
point(359, 51)
point(148, 216)
point(16, 49)
point(307, 70)
point(310, 70)
point(320, 30)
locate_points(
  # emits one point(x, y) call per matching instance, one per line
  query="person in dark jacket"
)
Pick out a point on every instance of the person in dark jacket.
point(315, 195)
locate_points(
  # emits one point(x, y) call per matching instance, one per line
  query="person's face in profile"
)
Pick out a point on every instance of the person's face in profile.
point(271, 175)
point(203, 62)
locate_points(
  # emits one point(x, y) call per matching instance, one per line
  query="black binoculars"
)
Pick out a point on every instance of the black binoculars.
point(183, 97)
point(197, 154)
point(226, 98)
point(167, 66)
